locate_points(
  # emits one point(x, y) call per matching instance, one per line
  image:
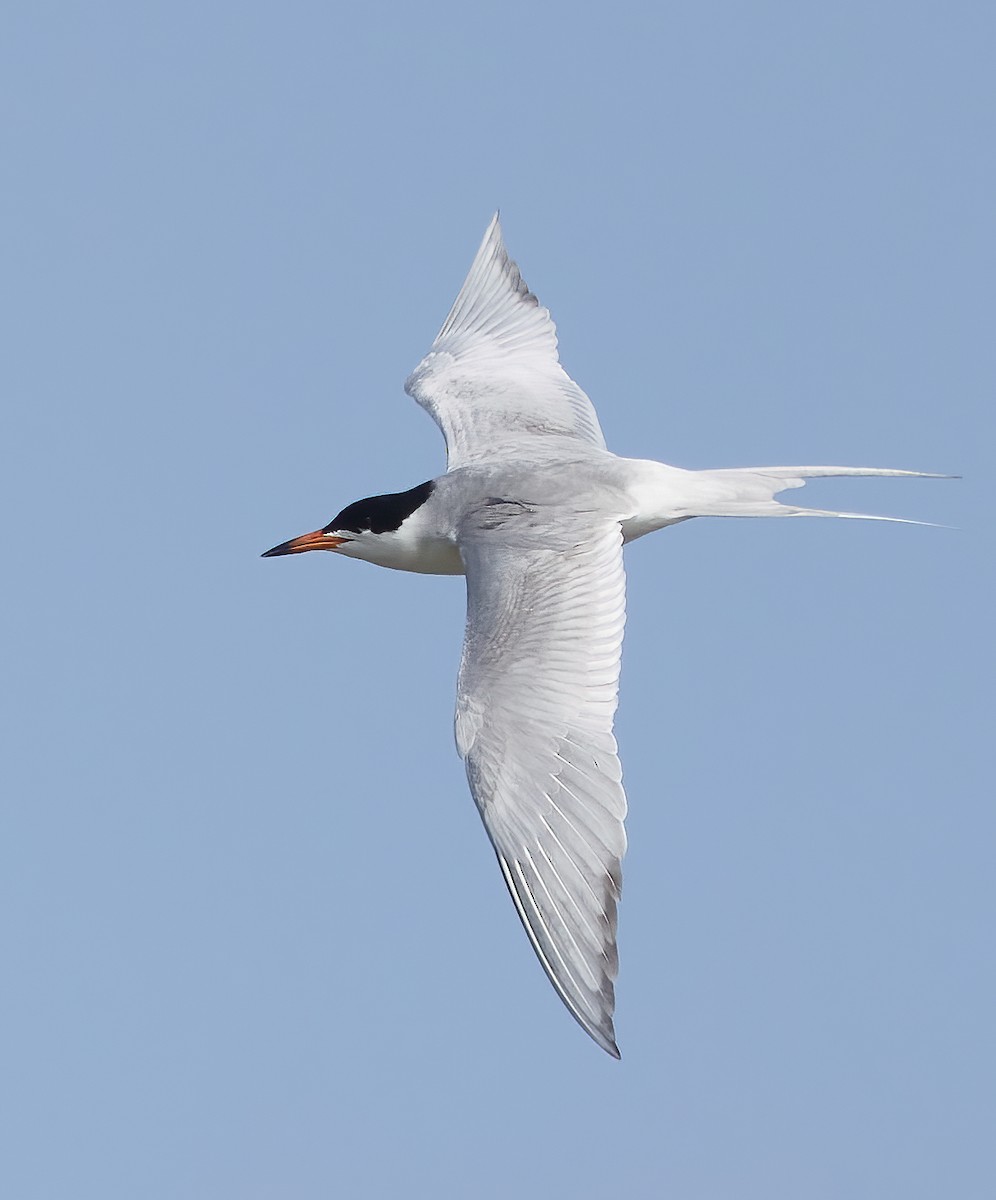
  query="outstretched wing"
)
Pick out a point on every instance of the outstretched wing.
point(492, 377)
point(535, 703)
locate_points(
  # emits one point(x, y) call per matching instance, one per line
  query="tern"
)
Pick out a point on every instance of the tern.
point(535, 511)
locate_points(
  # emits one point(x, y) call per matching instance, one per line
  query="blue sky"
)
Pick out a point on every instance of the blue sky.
point(255, 941)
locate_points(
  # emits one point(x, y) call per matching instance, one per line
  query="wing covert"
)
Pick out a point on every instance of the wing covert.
point(535, 705)
point(492, 376)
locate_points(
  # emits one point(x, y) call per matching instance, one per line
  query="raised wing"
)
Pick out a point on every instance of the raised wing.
point(492, 377)
point(535, 702)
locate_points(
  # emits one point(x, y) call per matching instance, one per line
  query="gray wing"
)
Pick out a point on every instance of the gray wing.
point(535, 704)
point(492, 377)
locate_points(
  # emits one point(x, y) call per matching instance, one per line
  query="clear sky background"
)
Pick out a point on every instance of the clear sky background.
point(255, 943)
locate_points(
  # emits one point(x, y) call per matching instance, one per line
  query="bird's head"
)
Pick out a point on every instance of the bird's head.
point(367, 529)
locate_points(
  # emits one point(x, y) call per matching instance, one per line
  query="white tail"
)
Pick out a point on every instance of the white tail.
point(751, 491)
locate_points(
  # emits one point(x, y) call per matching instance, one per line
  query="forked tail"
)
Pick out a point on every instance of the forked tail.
point(751, 491)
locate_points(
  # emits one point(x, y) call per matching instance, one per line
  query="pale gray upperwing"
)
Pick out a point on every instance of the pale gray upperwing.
point(492, 378)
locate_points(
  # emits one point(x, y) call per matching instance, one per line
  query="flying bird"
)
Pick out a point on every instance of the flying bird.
point(535, 511)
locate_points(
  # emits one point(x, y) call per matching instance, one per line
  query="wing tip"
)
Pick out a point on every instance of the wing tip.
point(602, 1034)
point(598, 1025)
point(494, 239)
point(610, 1047)
point(493, 246)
